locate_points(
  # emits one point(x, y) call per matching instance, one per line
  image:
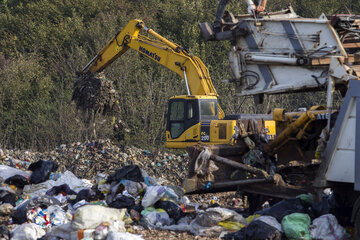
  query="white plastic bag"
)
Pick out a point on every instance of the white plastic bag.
point(67, 177)
point(28, 231)
point(6, 172)
point(206, 223)
point(326, 227)
point(155, 218)
point(155, 193)
point(62, 231)
point(183, 225)
point(133, 188)
point(199, 230)
point(72, 181)
point(123, 236)
point(152, 195)
point(270, 221)
point(34, 190)
point(212, 216)
point(91, 216)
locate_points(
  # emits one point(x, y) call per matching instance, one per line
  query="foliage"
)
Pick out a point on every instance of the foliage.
point(45, 42)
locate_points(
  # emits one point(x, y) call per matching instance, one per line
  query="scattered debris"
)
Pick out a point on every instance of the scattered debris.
point(129, 197)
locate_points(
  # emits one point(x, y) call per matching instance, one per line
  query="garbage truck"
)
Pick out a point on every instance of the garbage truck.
point(235, 152)
point(314, 149)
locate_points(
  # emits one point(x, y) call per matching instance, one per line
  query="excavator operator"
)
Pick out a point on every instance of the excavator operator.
point(254, 7)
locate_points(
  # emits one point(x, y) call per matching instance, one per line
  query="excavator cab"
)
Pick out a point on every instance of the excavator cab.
point(195, 118)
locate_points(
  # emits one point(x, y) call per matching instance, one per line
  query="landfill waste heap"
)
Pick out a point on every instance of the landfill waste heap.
point(97, 190)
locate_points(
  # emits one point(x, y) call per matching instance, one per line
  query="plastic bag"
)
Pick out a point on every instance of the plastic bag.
point(206, 223)
point(251, 218)
point(296, 226)
point(57, 215)
point(149, 181)
point(34, 190)
point(326, 206)
point(271, 221)
point(179, 191)
point(64, 188)
point(283, 208)
point(4, 233)
point(85, 194)
point(67, 177)
point(7, 172)
point(62, 199)
point(256, 230)
point(199, 230)
point(91, 216)
point(105, 188)
point(18, 180)
point(233, 226)
point(7, 197)
point(182, 225)
point(133, 188)
point(327, 227)
point(41, 170)
point(101, 231)
point(28, 231)
point(59, 232)
point(122, 201)
point(212, 216)
point(155, 193)
point(123, 236)
point(152, 195)
point(306, 198)
point(130, 172)
point(155, 218)
point(171, 208)
point(70, 179)
point(125, 187)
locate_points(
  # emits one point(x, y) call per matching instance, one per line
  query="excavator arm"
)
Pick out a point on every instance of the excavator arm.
point(162, 51)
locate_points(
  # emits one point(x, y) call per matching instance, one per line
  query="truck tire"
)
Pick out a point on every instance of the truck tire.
point(357, 225)
point(355, 218)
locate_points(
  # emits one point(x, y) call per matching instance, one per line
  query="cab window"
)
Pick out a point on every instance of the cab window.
point(208, 108)
point(191, 110)
point(177, 111)
point(177, 116)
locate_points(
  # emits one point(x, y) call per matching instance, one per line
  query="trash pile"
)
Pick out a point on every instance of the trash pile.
point(87, 158)
point(41, 199)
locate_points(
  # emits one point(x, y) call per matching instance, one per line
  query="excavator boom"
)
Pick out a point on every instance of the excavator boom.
point(162, 51)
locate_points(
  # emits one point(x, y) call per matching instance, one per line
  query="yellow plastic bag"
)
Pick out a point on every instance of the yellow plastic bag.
point(234, 226)
point(251, 218)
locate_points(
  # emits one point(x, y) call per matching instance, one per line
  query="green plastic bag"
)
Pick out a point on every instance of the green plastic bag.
point(306, 198)
point(296, 226)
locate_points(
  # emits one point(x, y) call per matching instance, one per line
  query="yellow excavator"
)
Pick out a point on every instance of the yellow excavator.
point(192, 118)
